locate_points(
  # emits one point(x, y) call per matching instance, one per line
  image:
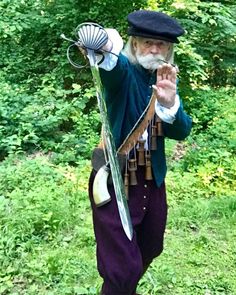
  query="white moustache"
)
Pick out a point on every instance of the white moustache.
point(150, 61)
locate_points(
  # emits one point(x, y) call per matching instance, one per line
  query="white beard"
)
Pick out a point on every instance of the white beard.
point(150, 61)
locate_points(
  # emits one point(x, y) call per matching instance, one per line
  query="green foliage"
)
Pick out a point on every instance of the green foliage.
point(45, 104)
point(207, 50)
point(53, 119)
point(208, 167)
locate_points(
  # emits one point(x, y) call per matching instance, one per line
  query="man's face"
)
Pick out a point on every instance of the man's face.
point(149, 51)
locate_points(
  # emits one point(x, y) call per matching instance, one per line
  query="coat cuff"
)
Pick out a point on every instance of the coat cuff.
point(167, 114)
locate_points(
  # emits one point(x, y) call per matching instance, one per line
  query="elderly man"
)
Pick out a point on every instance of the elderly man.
point(130, 77)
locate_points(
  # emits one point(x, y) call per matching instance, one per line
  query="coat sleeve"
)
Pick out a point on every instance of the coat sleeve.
point(181, 126)
point(112, 80)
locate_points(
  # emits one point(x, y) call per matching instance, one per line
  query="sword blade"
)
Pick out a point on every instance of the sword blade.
point(111, 150)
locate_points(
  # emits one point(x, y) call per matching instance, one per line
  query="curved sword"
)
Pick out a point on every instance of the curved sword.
point(111, 151)
point(93, 37)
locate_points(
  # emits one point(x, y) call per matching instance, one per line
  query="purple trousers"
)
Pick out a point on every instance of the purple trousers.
point(121, 262)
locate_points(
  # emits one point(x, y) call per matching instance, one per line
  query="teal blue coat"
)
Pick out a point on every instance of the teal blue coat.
point(128, 89)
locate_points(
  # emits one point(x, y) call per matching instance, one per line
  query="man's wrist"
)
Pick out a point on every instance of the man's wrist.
point(168, 114)
point(169, 104)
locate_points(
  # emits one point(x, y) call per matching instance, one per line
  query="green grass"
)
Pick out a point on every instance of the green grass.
point(47, 244)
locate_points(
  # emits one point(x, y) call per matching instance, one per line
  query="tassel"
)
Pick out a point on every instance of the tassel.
point(132, 169)
point(126, 178)
point(153, 146)
point(141, 152)
point(148, 171)
point(126, 184)
point(159, 127)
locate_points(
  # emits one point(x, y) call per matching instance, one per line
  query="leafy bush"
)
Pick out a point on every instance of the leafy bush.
point(52, 119)
point(209, 158)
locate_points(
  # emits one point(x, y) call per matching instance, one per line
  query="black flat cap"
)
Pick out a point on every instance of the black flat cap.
point(156, 25)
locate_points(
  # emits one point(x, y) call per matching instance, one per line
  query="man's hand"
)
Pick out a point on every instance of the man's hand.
point(165, 87)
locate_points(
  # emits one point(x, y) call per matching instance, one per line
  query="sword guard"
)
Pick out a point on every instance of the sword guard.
point(92, 35)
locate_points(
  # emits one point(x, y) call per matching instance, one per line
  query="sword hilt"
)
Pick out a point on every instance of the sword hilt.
point(91, 35)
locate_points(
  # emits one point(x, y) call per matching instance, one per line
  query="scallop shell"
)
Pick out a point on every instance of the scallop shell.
point(92, 36)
